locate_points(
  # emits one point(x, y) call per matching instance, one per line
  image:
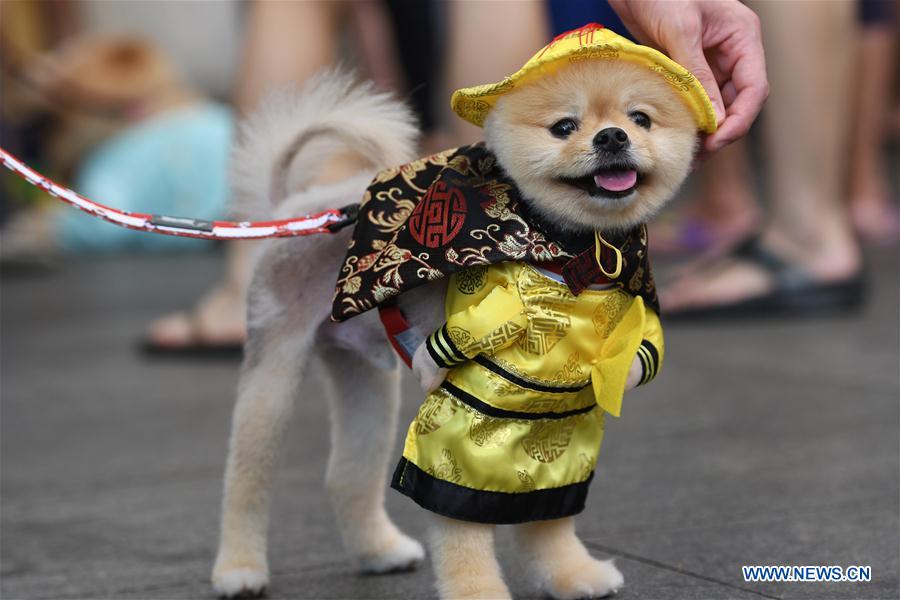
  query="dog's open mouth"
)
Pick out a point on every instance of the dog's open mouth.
point(610, 182)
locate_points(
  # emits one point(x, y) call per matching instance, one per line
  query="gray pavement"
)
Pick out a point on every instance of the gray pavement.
point(762, 443)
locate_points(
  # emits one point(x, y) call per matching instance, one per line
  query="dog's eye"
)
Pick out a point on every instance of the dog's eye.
point(564, 128)
point(640, 119)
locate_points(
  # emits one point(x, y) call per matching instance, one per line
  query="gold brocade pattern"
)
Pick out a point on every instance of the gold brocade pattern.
point(571, 372)
point(434, 412)
point(548, 440)
point(500, 386)
point(498, 337)
point(590, 42)
point(550, 320)
point(573, 368)
point(527, 481)
point(470, 280)
point(507, 455)
point(447, 469)
point(544, 404)
point(607, 315)
point(456, 213)
point(587, 464)
point(488, 432)
point(516, 421)
point(460, 337)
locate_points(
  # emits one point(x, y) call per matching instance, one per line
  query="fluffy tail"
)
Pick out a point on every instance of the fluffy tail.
point(282, 146)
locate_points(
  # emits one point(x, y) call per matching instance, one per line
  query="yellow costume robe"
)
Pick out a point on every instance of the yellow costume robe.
point(513, 433)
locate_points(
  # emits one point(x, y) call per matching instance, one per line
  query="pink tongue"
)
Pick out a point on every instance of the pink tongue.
point(616, 181)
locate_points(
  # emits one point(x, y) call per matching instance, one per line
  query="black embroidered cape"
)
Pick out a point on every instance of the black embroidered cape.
point(443, 213)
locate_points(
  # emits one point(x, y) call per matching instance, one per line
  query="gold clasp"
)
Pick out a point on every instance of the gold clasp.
point(599, 240)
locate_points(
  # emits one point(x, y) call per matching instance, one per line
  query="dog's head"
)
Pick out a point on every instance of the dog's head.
point(596, 145)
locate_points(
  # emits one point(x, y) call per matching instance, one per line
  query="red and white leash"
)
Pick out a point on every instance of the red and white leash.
point(324, 222)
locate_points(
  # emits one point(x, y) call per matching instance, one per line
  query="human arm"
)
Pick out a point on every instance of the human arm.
point(720, 43)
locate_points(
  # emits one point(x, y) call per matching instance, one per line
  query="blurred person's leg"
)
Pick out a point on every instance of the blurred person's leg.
point(874, 212)
point(419, 40)
point(809, 237)
point(722, 207)
point(289, 41)
point(285, 42)
point(486, 42)
point(375, 33)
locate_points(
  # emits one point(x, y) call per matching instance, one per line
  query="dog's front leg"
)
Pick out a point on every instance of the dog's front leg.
point(560, 565)
point(465, 564)
point(265, 399)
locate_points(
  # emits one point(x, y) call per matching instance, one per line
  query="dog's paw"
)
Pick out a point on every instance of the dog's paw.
point(402, 553)
point(240, 582)
point(589, 578)
point(497, 591)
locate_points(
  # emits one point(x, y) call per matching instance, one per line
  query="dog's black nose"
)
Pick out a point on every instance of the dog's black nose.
point(611, 139)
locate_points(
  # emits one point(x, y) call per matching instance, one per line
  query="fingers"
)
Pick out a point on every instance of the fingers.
point(749, 88)
point(686, 48)
point(729, 93)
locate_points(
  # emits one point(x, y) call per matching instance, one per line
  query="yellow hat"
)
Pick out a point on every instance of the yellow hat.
point(592, 41)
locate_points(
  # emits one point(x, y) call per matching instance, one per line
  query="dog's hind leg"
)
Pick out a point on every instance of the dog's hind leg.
point(365, 399)
point(265, 398)
point(287, 305)
point(559, 563)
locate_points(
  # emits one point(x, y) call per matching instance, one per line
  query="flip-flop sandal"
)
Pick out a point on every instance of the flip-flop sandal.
point(794, 293)
point(195, 347)
point(691, 235)
point(677, 236)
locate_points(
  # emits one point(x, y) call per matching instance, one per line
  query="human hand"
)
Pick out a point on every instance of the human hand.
point(720, 43)
point(429, 374)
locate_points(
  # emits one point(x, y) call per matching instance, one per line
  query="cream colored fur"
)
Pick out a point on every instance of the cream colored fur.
point(560, 565)
point(318, 148)
point(598, 94)
point(331, 125)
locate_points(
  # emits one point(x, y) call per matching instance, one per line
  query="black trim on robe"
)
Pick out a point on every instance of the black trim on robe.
point(479, 506)
point(492, 411)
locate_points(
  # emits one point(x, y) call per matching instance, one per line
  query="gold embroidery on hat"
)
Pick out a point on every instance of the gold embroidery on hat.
point(603, 52)
point(682, 81)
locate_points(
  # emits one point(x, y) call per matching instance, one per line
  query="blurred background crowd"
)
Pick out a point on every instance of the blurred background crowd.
point(134, 104)
point(773, 443)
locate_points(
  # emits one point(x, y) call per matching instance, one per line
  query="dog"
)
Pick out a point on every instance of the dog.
point(319, 148)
